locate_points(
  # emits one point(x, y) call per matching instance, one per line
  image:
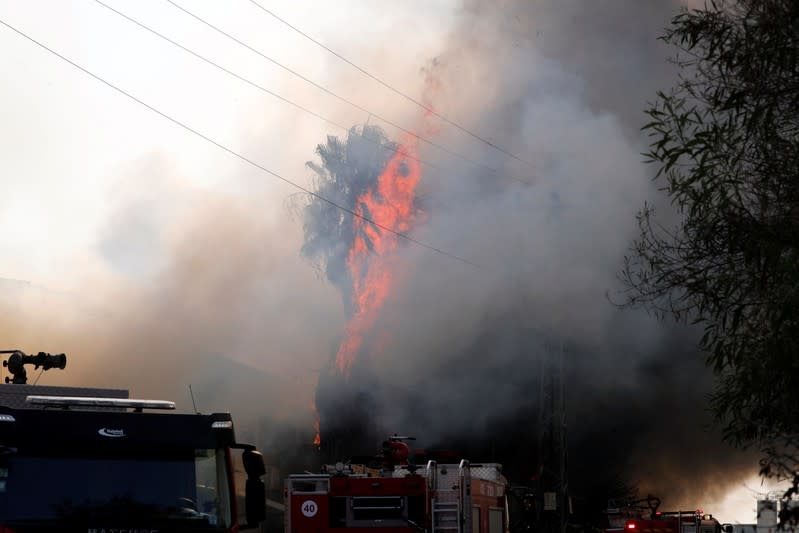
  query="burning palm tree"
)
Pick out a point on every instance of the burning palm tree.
point(375, 179)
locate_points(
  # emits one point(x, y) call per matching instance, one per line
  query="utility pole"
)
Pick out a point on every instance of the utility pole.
point(553, 503)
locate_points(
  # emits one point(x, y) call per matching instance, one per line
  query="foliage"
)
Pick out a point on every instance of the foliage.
point(725, 141)
point(347, 168)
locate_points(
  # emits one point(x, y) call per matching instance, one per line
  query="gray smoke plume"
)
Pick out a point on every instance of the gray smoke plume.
point(205, 296)
point(562, 84)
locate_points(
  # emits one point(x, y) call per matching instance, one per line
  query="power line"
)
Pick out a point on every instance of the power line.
point(255, 85)
point(319, 86)
point(296, 105)
point(238, 155)
point(392, 88)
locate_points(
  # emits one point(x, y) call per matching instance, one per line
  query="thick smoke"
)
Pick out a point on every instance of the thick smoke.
point(205, 295)
point(562, 85)
point(205, 285)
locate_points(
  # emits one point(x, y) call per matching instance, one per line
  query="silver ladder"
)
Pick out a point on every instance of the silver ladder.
point(452, 498)
point(446, 516)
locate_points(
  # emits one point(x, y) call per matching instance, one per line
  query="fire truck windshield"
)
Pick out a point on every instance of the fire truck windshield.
point(180, 490)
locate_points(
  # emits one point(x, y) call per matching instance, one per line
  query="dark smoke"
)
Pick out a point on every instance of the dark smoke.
point(563, 83)
point(203, 285)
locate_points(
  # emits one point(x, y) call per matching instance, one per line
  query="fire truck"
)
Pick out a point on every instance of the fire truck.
point(619, 512)
point(643, 516)
point(398, 497)
point(96, 461)
point(675, 522)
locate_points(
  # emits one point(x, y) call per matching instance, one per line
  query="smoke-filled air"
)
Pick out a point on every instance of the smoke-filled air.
point(452, 349)
point(436, 276)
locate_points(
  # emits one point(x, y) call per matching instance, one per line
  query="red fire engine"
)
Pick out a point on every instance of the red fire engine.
point(677, 522)
point(399, 497)
point(619, 512)
point(642, 516)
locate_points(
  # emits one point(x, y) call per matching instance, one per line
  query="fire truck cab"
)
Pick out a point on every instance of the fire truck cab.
point(103, 464)
point(437, 498)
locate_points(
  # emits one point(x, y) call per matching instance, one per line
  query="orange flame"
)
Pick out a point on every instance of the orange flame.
point(317, 440)
point(389, 203)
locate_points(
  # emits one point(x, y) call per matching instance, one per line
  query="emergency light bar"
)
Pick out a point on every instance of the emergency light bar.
point(88, 401)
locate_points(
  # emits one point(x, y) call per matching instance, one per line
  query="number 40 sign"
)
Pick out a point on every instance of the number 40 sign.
point(309, 508)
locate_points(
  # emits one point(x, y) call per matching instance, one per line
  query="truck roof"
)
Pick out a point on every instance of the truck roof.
point(13, 395)
point(79, 431)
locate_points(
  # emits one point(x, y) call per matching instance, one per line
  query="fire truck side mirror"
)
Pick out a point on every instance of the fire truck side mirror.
point(253, 463)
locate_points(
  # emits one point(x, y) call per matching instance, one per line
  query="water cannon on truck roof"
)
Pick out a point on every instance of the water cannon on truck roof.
point(18, 359)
